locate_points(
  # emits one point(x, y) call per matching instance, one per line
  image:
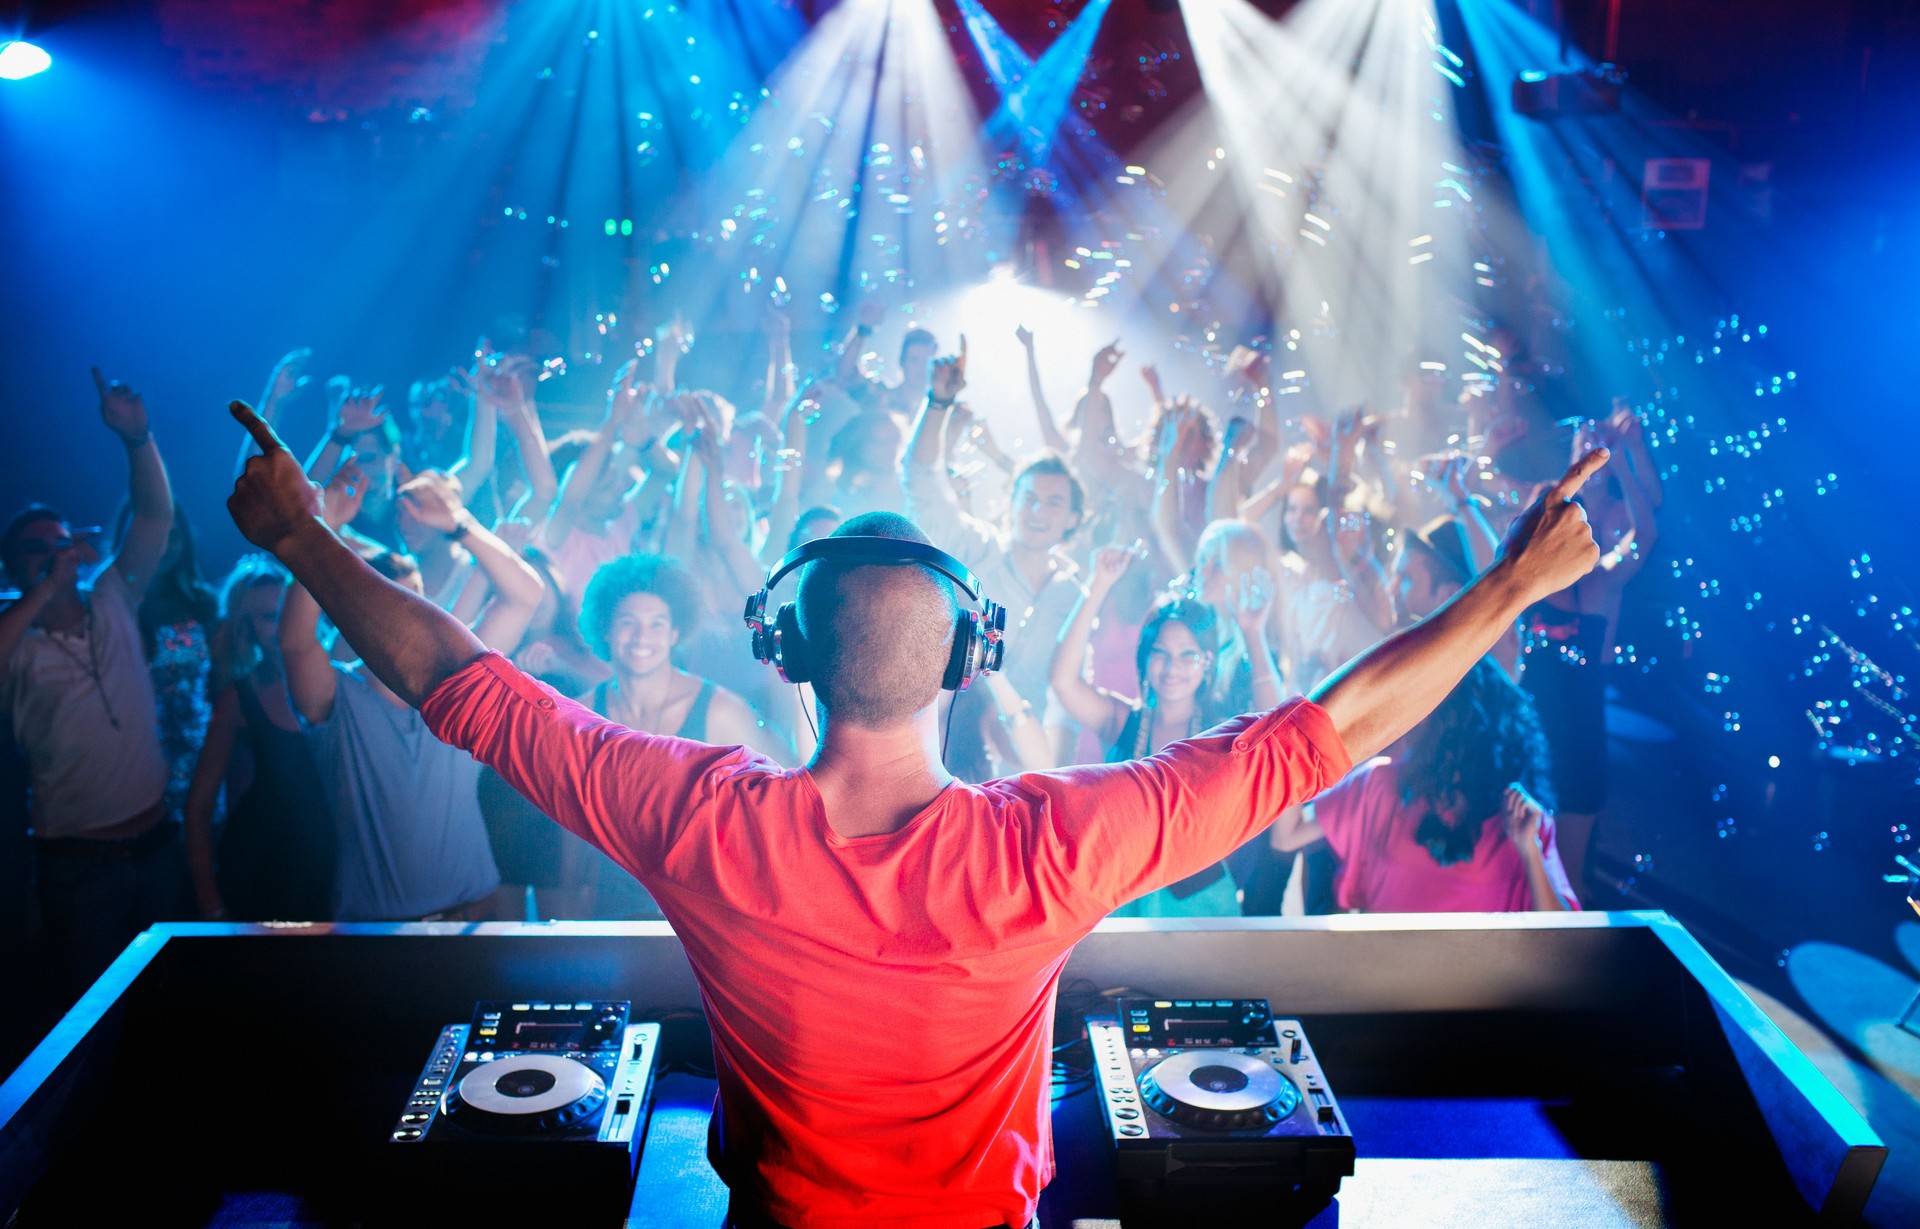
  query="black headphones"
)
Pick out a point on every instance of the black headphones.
point(979, 638)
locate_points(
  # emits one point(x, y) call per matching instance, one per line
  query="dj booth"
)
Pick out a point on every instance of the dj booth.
point(1566, 1069)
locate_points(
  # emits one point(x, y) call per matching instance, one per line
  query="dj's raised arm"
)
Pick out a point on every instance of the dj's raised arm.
point(1389, 689)
point(408, 642)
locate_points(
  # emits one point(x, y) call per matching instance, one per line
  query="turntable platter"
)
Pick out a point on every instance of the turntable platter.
point(528, 1091)
point(1219, 1088)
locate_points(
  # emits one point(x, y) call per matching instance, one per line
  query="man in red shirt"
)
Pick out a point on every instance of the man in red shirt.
point(869, 893)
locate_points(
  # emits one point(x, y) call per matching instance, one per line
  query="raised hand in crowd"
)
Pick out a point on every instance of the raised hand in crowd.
point(1381, 694)
point(342, 497)
point(948, 375)
point(124, 412)
point(1525, 821)
point(1105, 362)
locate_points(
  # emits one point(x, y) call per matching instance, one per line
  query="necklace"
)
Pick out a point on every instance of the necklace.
point(91, 664)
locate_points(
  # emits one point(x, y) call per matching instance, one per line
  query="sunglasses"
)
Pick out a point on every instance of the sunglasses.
point(35, 547)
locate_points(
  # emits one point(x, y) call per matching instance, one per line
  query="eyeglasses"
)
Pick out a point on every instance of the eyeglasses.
point(34, 547)
point(1193, 659)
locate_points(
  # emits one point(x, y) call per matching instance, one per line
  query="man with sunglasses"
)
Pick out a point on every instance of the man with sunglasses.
point(82, 705)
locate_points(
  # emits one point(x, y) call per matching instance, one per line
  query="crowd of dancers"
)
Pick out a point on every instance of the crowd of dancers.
point(197, 749)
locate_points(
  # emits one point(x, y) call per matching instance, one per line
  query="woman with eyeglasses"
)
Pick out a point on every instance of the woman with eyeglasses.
point(1179, 646)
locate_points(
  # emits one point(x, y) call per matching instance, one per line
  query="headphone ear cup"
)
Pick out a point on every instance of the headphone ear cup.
point(960, 662)
point(789, 653)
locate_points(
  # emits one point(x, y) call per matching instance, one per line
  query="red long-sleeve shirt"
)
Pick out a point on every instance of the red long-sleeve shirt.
point(882, 1007)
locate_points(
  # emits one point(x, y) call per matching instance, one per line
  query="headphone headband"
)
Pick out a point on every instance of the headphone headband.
point(979, 638)
point(876, 551)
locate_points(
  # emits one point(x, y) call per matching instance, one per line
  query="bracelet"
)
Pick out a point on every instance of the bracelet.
point(342, 439)
point(1025, 713)
point(139, 441)
point(863, 330)
point(461, 527)
point(939, 403)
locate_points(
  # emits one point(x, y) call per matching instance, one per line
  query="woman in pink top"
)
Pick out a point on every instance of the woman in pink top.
point(1454, 823)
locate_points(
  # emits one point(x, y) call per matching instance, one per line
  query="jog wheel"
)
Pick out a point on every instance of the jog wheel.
point(1219, 1090)
point(527, 1094)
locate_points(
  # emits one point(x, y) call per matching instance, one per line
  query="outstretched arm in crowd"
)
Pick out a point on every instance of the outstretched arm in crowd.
point(477, 459)
point(434, 500)
point(125, 414)
point(625, 399)
point(351, 413)
point(1094, 707)
point(410, 644)
point(307, 662)
point(930, 499)
point(289, 376)
point(742, 569)
point(1050, 433)
point(1386, 691)
point(791, 474)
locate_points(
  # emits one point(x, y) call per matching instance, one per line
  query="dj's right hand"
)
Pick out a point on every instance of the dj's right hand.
point(1551, 546)
point(273, 498)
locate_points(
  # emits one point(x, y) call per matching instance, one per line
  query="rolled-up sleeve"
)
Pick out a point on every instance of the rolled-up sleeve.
point(1118, 831)
point(627, 792)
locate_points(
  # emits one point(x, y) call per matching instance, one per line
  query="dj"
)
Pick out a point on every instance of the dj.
point(868, 894)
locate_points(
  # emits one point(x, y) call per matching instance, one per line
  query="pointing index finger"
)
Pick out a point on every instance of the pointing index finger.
point(99, 381)
point(1577, 475)
point(262, 432)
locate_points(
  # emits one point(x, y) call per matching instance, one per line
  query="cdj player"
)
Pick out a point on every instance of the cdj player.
point(1214, 1109)
point(544, 1099)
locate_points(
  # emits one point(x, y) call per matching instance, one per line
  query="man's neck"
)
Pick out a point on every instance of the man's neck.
point(63, 612)
point(1034, 564)
point(649, 690)
point(875, 781)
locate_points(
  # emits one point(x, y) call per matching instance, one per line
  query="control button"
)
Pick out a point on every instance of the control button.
point(1132, 1128)
point(1126, 1113)
point(1326, 1113)
point(623, 1106)
point(1183, 1002)
point(407, 1135)
point(1299, 1047)
point(1142, 1028)
point(523, 1007)
point(1163, 1003)
point(414, 1119)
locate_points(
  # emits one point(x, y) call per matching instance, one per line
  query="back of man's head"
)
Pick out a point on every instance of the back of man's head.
point(877, 637)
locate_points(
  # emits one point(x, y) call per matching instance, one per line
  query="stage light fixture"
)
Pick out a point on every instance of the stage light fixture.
point(20, 59)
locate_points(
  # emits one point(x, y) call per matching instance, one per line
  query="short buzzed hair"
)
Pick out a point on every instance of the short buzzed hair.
point(877, 637)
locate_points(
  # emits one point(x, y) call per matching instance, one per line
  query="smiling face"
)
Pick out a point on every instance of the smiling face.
point(642, 635)
point(1176, 664)
point(1042, 511)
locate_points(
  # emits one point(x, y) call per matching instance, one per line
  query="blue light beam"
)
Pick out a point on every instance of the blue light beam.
point(1034, 94)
